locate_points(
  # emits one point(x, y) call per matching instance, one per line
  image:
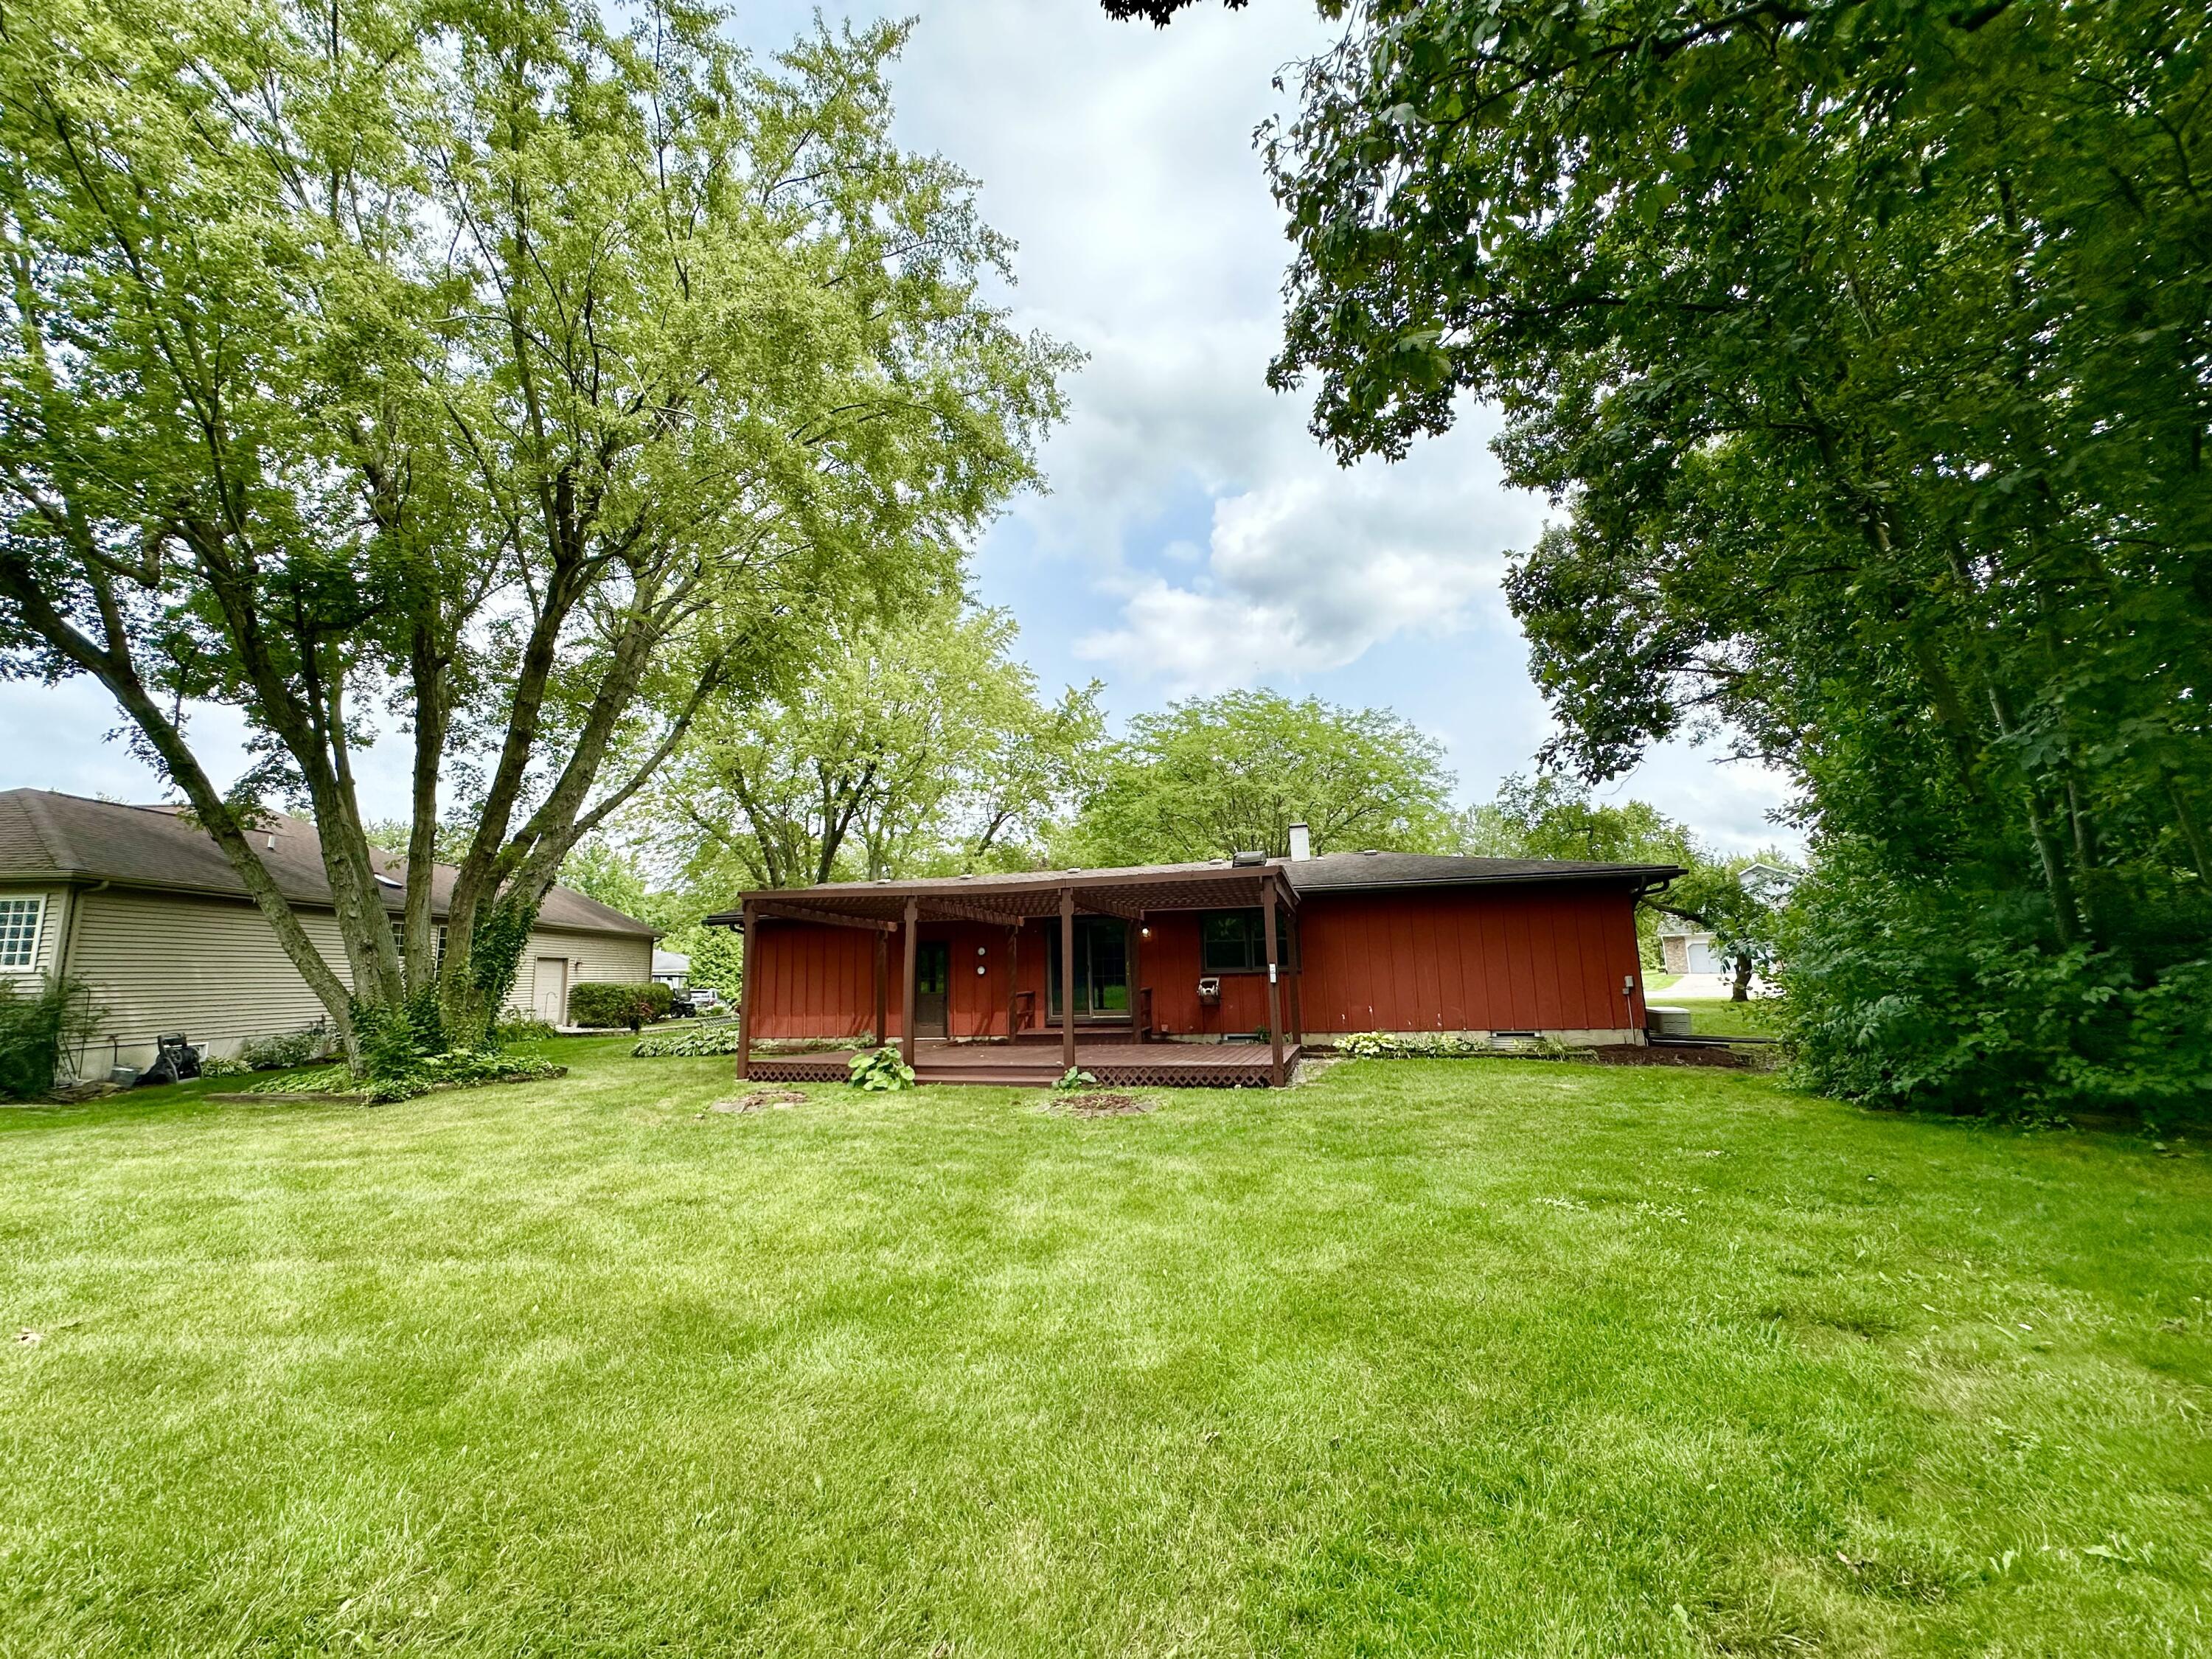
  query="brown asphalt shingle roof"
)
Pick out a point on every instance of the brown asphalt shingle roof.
point(45, 836)
point(1357, 871)
point(1187, 885)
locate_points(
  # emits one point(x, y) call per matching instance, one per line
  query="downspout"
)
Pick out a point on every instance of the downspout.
point(76, 898)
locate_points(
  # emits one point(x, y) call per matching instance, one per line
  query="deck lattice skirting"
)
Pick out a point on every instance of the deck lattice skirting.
point(1123, 1065)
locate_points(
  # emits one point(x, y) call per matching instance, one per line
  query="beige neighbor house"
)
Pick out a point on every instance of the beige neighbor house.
point(140, 903)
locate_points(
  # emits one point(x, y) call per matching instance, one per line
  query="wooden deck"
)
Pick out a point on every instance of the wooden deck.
point(1034, 1065)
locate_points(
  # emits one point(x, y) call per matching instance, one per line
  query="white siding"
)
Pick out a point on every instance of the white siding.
point(212, 969)
point(53, 920)
point(209, 968)
point(621, 958)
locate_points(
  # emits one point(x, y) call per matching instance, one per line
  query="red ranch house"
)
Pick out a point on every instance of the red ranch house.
point(1189, 973)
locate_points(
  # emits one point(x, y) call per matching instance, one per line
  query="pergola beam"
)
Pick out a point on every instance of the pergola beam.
point(827, 918)
point(935, 909)
point(1126, 909)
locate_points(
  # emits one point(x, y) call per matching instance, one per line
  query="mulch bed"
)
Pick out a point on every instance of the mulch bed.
point(1105, 1105)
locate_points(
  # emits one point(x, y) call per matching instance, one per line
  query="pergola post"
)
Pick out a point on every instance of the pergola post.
point(1274, 990)
point(1013, 981)
point(1298, 940)
point(906, 996)
point(1137, 976)
point(1067, 979)
point(748, 982)
point(883, 964)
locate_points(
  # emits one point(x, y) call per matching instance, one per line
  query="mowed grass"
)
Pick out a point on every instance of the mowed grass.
point(1724, 1017)
point(1484, 1358)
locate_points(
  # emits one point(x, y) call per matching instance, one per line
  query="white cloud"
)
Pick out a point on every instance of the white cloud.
point(1312, 568)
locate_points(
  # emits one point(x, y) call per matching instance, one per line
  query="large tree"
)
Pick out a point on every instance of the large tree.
point(1861, 345)
point(484, 369)
point(898, 747)
point(1209, 777)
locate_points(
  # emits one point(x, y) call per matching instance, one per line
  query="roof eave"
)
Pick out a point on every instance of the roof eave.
point(1640, 875)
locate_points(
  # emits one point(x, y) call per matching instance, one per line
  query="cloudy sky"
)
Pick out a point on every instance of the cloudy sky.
point(1195, 538)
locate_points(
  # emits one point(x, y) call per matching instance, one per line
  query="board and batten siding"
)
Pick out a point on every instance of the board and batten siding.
point(1555, 958)
point(212, 969)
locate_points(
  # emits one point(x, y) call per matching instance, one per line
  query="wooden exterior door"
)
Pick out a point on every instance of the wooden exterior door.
point(932, 986)
point(550, 985)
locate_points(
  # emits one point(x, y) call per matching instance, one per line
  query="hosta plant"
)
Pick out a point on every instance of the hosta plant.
point(882, 1071)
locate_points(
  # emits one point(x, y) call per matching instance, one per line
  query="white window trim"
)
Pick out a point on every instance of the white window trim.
point(38, 904)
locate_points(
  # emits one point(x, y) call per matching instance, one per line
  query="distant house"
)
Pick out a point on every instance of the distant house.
point(1687, 948)
point(672, 969)
point(1171, 956)
point(140, 903)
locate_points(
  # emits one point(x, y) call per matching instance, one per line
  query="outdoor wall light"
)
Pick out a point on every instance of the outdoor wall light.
point(1144, 932)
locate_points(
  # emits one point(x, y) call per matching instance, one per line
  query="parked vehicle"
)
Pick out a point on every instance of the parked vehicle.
point(693, 1000)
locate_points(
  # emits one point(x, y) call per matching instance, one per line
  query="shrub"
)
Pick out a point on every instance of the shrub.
point(272, 1053)
point(323, 1081)
point(222, 1066)
point(605, 1004)
point(456, 1068)
point(718, 1039)
point(461, 1068)
point(520, 1028)
point(39, 1024)
point(1415, 1045)
point(1935, 995)
point(882, 1071)
point(1439, 1045)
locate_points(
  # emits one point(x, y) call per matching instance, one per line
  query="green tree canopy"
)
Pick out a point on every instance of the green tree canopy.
point(1209, 777)
point(915, 745)
point(1861, 345)
point(533, 379)
point(1550, 817)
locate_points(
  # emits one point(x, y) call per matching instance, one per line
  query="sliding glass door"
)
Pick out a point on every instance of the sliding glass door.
point(1102, 967)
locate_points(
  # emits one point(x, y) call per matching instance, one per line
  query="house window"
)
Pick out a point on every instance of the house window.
point(1235, 941)
point(438, 947)
point(19, 931)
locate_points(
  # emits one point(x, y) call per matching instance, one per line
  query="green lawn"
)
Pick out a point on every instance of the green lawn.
point(1474, 1357)
point(1723, 1017)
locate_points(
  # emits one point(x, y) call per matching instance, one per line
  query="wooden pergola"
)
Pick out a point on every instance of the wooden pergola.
point(883, 907)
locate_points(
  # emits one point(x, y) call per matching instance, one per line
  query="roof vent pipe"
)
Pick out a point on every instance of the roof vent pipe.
point(1301, 843)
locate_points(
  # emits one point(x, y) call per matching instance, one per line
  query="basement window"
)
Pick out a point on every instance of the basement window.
point(19, 931)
